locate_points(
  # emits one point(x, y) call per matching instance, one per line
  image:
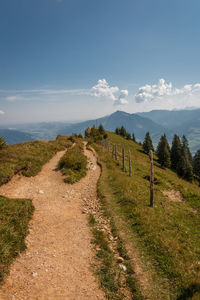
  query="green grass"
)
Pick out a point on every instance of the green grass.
point(14, 217)
point(74, 163)
point(28, 158)
point(166, 236)
point(112, 279)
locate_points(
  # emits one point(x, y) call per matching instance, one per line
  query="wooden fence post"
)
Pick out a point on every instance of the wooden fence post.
point(108, 147)
point(151, 179)
point(123, 160)
point(113, 150)
point(116, 151)
point(130, 167)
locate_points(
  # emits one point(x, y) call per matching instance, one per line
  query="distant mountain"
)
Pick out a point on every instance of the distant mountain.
point(15, 136)
point(132, 122)
point(185, 122)
point(172, 119)
point(42, 130)
point(156, 122)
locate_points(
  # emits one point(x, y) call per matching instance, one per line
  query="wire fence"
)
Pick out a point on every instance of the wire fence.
point(118, 153)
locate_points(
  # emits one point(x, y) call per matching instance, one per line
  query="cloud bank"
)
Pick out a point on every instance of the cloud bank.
point(101, 90)
point(164, 90)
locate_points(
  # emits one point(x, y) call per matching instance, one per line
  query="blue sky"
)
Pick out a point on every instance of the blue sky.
point(68, 60)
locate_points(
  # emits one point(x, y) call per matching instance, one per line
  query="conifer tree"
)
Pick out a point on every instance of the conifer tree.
point(180, 158)
point(147, 144)
point(163, 152)
point(117, 131)
point(101, 129)
point(176, 152)
point(196, 164)
point(133, 137)
point(128, 136)
point(186, 148)
point(123, 131)
point(184, 167)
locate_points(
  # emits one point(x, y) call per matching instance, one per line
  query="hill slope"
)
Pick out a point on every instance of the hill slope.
point(15, 136)
point(163, 242)
point(132, 122)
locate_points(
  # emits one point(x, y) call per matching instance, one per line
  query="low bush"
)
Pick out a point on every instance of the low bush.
point(74, 164)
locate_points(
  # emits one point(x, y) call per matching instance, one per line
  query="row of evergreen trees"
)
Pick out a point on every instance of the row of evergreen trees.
point(178, 158)
point(122, 131)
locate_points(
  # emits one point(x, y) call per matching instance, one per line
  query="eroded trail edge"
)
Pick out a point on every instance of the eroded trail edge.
point(57, 262)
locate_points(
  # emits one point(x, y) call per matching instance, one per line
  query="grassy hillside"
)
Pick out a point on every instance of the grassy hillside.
point(163, 242)
point(28, 158)
point(14, 218)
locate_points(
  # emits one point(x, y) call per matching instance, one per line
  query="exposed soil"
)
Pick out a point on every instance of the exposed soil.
point(174, 196)
point(57, 262)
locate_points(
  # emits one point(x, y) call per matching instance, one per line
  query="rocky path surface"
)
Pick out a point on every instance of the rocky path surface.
point(57, 262)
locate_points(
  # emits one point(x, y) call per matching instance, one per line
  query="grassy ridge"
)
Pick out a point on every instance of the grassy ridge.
point(28, 158)
point(74, 163)
point(14, 218)
point(167, 235)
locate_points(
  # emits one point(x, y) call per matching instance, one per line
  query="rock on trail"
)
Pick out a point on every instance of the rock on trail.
point(57, 262)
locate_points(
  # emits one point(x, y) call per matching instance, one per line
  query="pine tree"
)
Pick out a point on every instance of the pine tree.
point(184, 167)
point(147, 144)
point(196, 164)
point(133, 137)
point(128, 136)
point(101, 129)
point(186, 148)
point(123, 131)
point(176, 152)
point(188, 166)
point(180, 158)
point(163, 152)
point(117, 131)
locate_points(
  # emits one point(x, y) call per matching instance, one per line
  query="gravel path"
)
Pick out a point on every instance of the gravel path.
point(57, 262)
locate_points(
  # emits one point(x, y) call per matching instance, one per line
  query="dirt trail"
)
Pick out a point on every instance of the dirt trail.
point(56, 264)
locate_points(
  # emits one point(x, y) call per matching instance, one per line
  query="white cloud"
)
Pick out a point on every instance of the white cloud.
point(2, 112)
point(122, 98)
point(102, 89)
point(164, 91)
point(150, 92)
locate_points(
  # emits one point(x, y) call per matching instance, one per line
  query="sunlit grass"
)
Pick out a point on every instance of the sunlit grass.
point(167, 234)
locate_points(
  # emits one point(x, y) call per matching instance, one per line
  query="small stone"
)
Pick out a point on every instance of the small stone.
point(34, 274)
point(111, 238)
point(98, 249)
point(41, 192)
point(123, 267)
point(120, 259)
